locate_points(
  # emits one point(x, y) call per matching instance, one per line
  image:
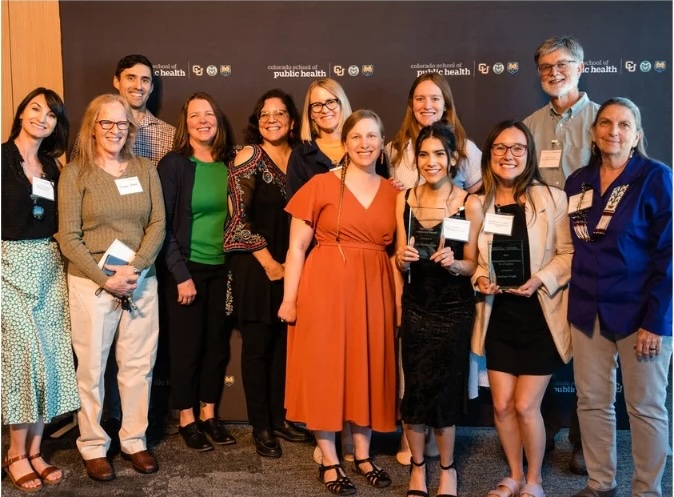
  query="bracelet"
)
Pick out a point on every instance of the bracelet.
point(457, 272)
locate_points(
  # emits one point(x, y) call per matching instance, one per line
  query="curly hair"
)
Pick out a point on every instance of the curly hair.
point(251, 133)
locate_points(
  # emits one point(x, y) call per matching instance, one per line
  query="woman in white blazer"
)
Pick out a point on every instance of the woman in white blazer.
point(525, 339)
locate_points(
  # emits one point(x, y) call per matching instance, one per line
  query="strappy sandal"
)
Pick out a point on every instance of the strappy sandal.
point(417, 493)
point(47, 471)
point(342, 485)
point(511, 488)
point(447, 468)
point(376, 477)
point(532, 489)
point(26, 478)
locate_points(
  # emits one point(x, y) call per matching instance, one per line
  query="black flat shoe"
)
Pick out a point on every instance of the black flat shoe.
point(293, 433)
point(266, 444)
point(340, 486)
point(376, 477)
point(194, 438)
point(217, 432)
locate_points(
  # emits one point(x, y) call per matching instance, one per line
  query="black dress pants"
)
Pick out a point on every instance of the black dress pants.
point(199, 336)
point(263, 368)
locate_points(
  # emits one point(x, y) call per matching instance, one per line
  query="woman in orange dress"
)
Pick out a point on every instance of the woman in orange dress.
point(341, 357)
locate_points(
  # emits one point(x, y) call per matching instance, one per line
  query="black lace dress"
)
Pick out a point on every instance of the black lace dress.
point(438, 310)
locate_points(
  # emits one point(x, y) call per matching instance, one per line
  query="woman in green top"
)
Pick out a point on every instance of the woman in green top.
point(194, 181)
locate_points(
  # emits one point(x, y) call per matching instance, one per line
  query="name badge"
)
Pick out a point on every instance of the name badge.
point(43, 188)
point(456, 229)
point(499, 224)
point(128, 185)
point(580, 201)
point(550, 159)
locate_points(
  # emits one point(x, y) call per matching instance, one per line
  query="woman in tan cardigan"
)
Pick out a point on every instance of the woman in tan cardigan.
point(106, 194)
point(525, 339)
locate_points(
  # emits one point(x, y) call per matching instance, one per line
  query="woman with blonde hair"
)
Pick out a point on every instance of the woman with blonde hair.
point(341, 357)
point(109, 195)
point(324, 112)
point(38, 375)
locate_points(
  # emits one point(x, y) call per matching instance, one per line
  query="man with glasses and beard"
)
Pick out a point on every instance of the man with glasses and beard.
point(561, 131)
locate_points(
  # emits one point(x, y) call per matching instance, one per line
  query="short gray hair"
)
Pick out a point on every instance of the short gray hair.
point(568, 43)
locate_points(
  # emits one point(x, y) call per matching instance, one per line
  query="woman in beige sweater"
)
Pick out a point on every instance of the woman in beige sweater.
point(108, 194)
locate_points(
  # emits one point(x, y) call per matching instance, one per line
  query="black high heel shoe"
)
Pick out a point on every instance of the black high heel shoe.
point(447, 468)
point(417, 493)
point(342, 485)
point(376, 477)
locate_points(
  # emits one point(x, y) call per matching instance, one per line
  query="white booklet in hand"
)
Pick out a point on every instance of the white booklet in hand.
point(118, 254)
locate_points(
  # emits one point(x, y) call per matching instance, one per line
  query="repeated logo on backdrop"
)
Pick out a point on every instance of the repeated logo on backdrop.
point(454, 68)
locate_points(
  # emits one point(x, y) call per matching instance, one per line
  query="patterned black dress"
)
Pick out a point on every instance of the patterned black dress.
point(438, 309)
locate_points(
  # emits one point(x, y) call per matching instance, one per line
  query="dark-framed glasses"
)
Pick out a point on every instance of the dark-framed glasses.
point(499, 149)
point(561, 66)
point(108, 125)
point(38, 210)
point(278, 115)
point(331, 104)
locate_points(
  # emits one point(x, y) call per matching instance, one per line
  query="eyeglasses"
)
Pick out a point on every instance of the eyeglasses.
point(499, 149)
point(331, 104)
point(278, 115)
point(561, 66)
point(108, 125)
point(38, 210)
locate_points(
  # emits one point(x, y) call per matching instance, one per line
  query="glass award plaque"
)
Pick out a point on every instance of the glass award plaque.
point(425, 225)
point(506, 260)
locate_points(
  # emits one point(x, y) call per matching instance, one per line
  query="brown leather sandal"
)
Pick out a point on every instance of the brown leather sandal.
point(26, 478)
point(47, 471)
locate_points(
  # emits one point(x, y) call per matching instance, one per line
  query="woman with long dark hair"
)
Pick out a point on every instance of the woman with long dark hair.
point(38, 377)
point(522, 328)
point(438, 305)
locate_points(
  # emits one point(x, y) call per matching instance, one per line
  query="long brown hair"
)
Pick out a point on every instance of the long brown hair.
point(222, 146)
point(88, 153)
point(55, 144)
point(530, 176)
point(409, 129)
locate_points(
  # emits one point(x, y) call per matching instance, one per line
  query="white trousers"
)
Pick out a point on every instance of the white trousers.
point(96, 320)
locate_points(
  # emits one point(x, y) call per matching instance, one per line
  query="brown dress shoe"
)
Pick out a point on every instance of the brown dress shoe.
point(142, 461)
point(99, 469)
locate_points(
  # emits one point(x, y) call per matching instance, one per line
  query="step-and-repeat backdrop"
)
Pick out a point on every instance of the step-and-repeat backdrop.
point(238, 50)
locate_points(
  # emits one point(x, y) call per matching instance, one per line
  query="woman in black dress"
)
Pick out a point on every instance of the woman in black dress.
point(257, 236)
point(437, 303)
point(526, 339)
